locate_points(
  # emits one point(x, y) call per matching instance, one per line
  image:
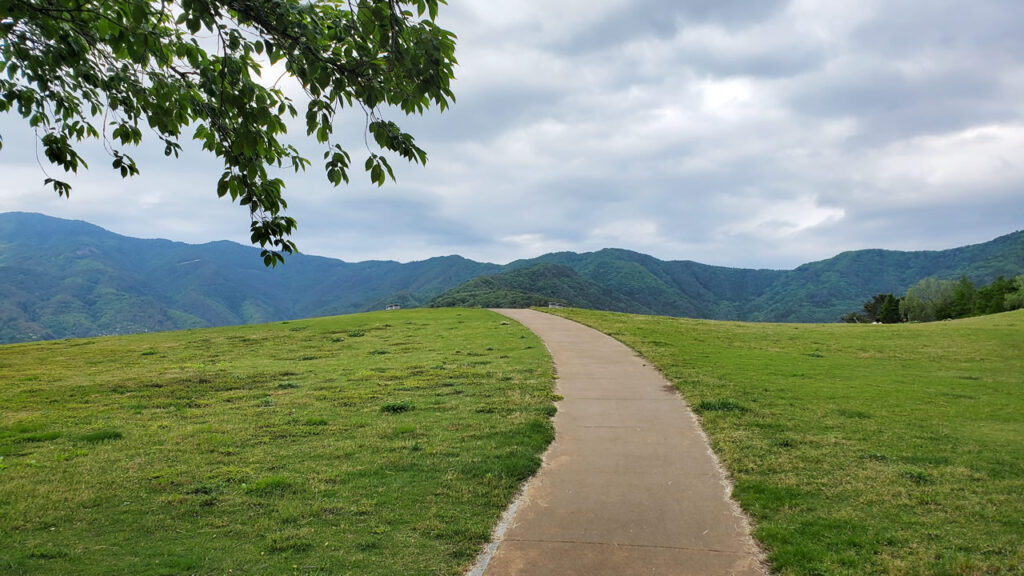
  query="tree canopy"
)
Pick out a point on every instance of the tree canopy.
point(936, 299)
point(108, 69)
point(884, 308)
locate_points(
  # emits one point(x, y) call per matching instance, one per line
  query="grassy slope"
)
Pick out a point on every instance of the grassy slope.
point(860, 449)
point(384, 443)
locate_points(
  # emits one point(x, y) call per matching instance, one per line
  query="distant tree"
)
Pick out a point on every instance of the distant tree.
point(1014, 300)
point(962, 305)
point(991, 299)
point(889, 313)
point(107, 69)
point(928, 300)
point(933, 299)
point(873, 307)
point(872, 310)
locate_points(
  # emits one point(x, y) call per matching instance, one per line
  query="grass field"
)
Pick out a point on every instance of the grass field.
point(859, 449)
point(386, 443)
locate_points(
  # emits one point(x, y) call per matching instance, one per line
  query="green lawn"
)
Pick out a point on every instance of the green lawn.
point(859, 449)
point(385, 443)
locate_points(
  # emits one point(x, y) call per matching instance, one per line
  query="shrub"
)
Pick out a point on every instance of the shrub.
point(396, 407)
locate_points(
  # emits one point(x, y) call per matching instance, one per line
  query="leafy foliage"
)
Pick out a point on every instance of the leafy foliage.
point(1014, 299)
point(999, 296)
point(107, 69)
point(882, 308)
point(889, 313)
point(934, 299)
point(928, 299)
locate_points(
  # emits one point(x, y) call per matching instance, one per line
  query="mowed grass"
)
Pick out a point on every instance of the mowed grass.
point(859, 449)
point(385, 443)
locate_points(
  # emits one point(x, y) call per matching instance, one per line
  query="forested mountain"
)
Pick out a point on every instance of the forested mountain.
point(815, 292)
point(674, 288)
point(63, 278)
point(536, 285)
point(840, 284)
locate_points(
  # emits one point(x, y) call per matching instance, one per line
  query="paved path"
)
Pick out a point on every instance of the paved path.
point(629, 486)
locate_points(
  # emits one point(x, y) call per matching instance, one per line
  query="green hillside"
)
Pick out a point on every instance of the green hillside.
point(63, 278)
point(676, 288)
point(535, 285)
point(835, 286)
point(859, 449)
point(385, 443)
point(815, 292)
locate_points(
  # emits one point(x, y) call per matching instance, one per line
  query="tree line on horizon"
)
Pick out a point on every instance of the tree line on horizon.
point(935, 299)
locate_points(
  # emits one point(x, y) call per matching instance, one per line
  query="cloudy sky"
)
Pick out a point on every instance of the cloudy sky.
point(753, 134)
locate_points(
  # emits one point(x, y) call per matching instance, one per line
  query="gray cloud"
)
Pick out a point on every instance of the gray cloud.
point(760, 134)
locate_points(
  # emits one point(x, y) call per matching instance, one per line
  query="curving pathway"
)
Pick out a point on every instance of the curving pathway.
point(629, 485)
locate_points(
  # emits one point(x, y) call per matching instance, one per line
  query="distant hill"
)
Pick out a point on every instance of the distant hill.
point(63, 278)
point(815, 292)
point(673, 288)
point(535, 285)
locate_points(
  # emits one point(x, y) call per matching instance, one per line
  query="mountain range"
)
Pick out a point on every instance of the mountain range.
point(64, 278)
point(814, 292)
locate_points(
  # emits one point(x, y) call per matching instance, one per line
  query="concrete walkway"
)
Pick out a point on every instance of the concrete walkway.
point(629, 486)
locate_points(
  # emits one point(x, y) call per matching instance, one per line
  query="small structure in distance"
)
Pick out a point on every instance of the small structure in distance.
point(393, 307)
point(556, 305)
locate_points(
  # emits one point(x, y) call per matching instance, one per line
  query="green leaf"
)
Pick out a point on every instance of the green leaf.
point(131, 62)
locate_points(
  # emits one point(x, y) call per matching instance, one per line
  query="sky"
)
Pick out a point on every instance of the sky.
point(749, 134)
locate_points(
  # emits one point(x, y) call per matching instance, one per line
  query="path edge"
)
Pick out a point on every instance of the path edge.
point(486, 554)
point(727, 482)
